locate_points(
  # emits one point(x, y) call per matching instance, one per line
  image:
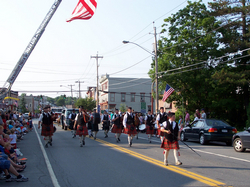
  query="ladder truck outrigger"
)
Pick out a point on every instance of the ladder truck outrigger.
point(17, 69)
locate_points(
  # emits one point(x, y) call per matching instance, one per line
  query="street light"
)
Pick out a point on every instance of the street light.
point(156, 69)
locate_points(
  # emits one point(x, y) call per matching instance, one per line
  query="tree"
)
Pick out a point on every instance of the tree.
point(22, 104)
point(87, 103)
point(192, 42)
point(234, 76)
point(60, 102)
point(123, 107)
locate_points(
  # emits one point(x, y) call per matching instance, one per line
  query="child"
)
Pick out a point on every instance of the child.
point(13, 137)
point(30, 123)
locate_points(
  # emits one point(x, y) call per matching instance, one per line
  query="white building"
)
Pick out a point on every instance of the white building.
point(133, 92)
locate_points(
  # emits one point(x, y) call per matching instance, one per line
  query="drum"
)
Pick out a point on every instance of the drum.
point(142, 127)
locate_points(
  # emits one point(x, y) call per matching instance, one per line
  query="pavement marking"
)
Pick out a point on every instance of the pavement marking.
point(215, 154)
point(206, 180)
point(50, 169)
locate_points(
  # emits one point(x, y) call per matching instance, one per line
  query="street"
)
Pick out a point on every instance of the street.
point(103, 162)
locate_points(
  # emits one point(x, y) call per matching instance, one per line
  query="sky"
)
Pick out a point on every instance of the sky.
point(63, 53)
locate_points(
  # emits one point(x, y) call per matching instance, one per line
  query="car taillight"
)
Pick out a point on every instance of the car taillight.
point(234, 130)
point(212, 130)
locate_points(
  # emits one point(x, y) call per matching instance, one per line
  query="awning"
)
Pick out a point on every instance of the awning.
point(11, 98)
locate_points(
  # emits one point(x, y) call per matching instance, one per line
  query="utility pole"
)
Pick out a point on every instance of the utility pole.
point(79, 87)
point(156, 74)
point(71, 90)
point(97, 80)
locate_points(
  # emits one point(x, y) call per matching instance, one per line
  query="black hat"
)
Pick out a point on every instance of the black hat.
point(73, 109)
point(130, 108)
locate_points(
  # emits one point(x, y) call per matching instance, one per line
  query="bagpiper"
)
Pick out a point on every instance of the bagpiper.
point(105, 123)
point(81, 119)
point(159, 120)
point(149, 125)
point(171, 136)
point(72, 117)
point(117, 126)
point(129, 126)
point(47, 127)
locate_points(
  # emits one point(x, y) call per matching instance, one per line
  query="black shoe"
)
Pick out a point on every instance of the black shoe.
point(106, 136)
point(119, 139)
point(91, 135)
point(94, 138)
point(83, 142)
point(150, 141)
point(46, 145)
point(130, 144)
point(50, 143)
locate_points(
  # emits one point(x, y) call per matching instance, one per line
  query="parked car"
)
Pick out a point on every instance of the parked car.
point(26, 115)
point(65, 117)
point(241, 140)
point(205, 130)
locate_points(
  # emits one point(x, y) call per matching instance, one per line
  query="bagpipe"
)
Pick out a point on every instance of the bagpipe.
point(85, 116)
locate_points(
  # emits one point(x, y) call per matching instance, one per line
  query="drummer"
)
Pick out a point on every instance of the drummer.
point(160, 119)
point(149, 119)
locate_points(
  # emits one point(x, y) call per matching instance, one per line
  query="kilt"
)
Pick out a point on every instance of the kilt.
point(169, 145)
point(95, 127)
point(148, 131)
point(84, 132)
point(115, 129)
point(127, 130)
point(105, 127)
point(44, 131)
point(159, 132)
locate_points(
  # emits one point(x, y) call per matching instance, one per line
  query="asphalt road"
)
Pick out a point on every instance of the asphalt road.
point(103, 162)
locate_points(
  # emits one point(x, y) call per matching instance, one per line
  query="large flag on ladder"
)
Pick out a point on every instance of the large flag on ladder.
point(168, 91)
point(85, 9)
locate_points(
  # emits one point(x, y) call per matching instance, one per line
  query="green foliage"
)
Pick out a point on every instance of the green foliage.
point(22, 104)
point(87, 103)
point(123, 107)
point(60, 102)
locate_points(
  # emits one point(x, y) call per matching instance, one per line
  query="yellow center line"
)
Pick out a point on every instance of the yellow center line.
point(179, 170)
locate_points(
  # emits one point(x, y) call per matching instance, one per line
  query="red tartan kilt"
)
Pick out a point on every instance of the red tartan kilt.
point(169, 145)
point(115, 129)
point(127, 130)
point(148, 131)
point(159, 132)
point(44, 131)
point(84, 132)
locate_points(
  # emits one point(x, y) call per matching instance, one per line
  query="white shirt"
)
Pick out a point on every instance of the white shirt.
point(158, 118)
point(164, 124)
point(105, 115)
point(115, 116)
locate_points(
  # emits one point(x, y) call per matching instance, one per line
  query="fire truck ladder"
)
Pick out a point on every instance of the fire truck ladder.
point(15, 72)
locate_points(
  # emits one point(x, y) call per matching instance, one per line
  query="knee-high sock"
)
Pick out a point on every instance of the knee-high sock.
point(46, 139)
point(80, 138)
point(95, 133)
point(118, 134)
point(83, 138)
point(129, 139)
point(105, 132)
point(149, 136)
point(176, 157)
point(161, 138)
point(166, 155)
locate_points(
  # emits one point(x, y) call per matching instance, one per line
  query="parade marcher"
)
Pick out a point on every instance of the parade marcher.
point(117, 126)
point(90, 124)
point(80, 121)
point(72, 117)
point(105, 123)
point(149, 125)
point(129, 126)
point(52, 120)
point(47, 127)
point(159, 120)
point(171, 137)
point(96, 121)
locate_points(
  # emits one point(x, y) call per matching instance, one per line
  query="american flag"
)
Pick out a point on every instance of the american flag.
point(85, 9)
point(168, 91)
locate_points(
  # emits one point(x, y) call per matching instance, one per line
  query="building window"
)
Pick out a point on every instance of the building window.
point(142, 97)
point(123, 97)
point(112, 97)
point(132, 97)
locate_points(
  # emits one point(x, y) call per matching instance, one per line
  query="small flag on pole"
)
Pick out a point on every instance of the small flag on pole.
point(16, 103)
point(85, 9)
point(168, 91)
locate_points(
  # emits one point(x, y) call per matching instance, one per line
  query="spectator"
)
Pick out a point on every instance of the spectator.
point(30, 123)
point(7, 166)
point(197, 113)
point(196, 117)
point(187, 117)
point(203, 114)
point(13, 137)
point(21, 118)
point(180, 123)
